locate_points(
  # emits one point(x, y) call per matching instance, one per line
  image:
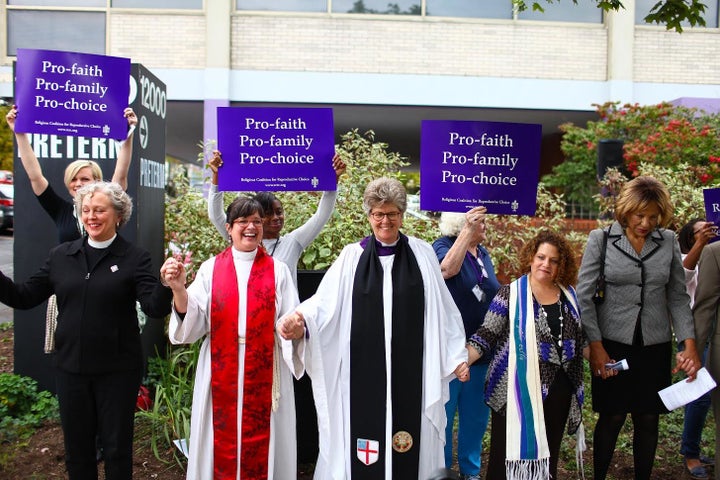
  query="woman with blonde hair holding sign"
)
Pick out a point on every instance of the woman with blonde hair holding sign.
point(77, 174)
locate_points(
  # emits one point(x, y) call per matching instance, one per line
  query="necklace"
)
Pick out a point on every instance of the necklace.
point(275, 246)
point(543, 315)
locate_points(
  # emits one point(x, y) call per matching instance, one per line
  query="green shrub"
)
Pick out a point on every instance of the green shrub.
point(685, 191)
point(22, 407)
point(172, 378)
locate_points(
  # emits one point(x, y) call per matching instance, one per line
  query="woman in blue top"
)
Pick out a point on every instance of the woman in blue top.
point(470, 276)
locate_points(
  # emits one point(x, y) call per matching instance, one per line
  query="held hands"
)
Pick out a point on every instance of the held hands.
point(291, 326)
point(462, 372)
point(687, 361)
point(173, 274)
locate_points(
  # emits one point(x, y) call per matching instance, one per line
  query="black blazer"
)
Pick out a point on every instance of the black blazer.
point(97, 326)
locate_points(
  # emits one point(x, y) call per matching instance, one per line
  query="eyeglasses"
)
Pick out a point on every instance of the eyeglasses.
point(392, 216)
point(244, 223)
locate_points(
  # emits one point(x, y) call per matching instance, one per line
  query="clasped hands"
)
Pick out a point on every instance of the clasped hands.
point(291, 326)
point(462, 372)
point(173, 274)
point(688, 360)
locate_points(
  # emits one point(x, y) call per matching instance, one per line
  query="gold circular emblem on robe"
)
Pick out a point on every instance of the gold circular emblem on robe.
point(402, 441)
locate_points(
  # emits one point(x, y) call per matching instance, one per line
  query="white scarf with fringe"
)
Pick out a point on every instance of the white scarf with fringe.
point(527, 455)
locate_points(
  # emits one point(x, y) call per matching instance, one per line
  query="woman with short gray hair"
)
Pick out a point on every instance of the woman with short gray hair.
point(384, 191)
point(98, 354)
point(119, 199)
point(386, 339)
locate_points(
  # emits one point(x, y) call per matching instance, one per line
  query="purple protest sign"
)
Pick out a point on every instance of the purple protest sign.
point(271, 149)
point(464, 164)
point(711, 197)
point(69, 93)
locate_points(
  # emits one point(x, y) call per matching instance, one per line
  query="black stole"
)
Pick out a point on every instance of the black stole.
point(368, 371)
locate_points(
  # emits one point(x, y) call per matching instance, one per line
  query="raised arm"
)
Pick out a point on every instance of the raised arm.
point(707, 232)
point(215, 198)
point(470, 236)
point(122, 166)
point(307, 232)
point(30, 163)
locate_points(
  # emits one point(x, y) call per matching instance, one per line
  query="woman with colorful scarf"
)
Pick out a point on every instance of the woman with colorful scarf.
point(534, 384)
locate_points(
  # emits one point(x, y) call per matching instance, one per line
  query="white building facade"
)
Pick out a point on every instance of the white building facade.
point(379, 65)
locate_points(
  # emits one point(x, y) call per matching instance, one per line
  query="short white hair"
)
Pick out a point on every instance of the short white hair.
point(451, 223)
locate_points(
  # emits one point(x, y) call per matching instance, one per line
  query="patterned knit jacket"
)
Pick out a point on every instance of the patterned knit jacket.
point(492, 338)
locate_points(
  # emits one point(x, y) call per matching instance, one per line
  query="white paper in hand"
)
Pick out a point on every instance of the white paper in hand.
point(684, 392)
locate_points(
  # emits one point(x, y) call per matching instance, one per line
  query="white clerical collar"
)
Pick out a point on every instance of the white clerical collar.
point(240, 255)
point(390, 244)
point(103, 244)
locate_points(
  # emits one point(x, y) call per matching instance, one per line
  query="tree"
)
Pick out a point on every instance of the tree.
point(671, 13)
point(6, 141)
point(680, 139)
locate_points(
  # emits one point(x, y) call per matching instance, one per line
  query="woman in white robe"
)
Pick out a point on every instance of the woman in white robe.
point(328, 315)
point(191, 321)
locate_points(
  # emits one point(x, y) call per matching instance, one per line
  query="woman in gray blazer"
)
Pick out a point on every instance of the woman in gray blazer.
point(645, 301)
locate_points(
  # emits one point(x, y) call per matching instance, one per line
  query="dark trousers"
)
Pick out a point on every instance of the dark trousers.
point(556, 407)
point(102, 406)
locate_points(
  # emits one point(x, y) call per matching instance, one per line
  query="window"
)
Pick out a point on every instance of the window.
point(58, 3)
point(586, 11)
point(170, 4)
point(469, 8)
point(283, 5)
point(399, 7)
point(49, 30)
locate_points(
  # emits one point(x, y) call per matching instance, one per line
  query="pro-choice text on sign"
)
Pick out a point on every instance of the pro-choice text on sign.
point(276, 149)
point(69, 93)
point(464, 164)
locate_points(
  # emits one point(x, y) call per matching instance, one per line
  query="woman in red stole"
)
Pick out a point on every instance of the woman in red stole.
point(239, 421)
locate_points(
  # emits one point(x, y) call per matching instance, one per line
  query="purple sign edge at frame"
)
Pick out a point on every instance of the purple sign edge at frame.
point(276, 149)
point(464, 164)
point(71, 93)
point(711, 197)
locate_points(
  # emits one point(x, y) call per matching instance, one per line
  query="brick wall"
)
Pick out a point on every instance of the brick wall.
point(669, 57)
point(392, 45)
point(159, 41)
point(417, 46)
